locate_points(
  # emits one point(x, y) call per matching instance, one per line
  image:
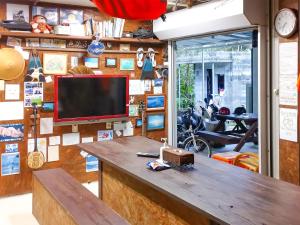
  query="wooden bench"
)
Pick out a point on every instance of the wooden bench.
point(59, 199)
point(224, 139)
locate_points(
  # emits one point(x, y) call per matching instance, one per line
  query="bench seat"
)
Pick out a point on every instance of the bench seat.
point(61, 200)
point(224, 139)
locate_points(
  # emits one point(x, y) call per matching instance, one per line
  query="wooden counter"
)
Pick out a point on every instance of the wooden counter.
point(212, 193)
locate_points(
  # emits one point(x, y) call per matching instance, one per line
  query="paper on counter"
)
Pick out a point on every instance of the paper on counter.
point(46, 125)
point(11, 111)
point(71, 139)
point(128, 131)
point(53, 153)
point(41, 146)
point(54, 140)
point(12, 92)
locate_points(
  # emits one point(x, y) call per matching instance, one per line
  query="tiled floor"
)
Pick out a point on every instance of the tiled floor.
point(16, 210)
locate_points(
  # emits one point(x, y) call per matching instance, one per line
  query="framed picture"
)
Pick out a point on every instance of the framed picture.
point(50, 13)
point(111, 62)
point(138, 122)
point(155, 121)
point(17, 12)
point(127, 64)
point(70, 16)
point(54, 63)
point(125, 47)
point(155, 102)
point(91, 62)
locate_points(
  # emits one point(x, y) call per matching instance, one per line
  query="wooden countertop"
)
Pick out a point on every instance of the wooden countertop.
point(224, 193)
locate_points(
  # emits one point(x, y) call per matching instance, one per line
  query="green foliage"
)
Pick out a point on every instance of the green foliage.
point(185, 86)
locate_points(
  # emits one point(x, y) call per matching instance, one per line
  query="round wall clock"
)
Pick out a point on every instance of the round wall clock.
point(286, 22)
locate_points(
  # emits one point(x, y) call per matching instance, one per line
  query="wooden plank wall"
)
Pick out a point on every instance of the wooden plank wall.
point(290, 151)
point(70, 159)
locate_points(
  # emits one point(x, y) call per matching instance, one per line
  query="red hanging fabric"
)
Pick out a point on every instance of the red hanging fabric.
point(298, 83)
point(133, 9)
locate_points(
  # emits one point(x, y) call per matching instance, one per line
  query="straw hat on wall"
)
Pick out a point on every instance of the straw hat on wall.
point(12, 64)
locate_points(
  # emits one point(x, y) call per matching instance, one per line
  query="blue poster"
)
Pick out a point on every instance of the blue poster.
point(10, 163)
point(11, 132)
point(11, 148)
point(92, 163)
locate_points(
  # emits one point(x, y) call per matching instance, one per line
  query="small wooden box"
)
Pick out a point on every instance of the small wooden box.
point(178, 157)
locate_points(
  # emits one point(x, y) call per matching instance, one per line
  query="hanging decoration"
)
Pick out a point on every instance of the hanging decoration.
point(133, 9)
point(96, 47)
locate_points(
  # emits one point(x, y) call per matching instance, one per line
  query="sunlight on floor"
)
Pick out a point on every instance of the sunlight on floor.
point(17, 210)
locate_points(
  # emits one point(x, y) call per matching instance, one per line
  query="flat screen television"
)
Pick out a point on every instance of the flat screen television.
point(90, 97)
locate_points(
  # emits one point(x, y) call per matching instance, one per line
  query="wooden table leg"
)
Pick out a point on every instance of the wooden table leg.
point(247, 135)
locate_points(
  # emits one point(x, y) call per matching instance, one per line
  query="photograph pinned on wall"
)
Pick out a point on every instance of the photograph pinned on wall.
point(32, 42)
point(33, 93)
point(92, 163)
point(111, 62)
point(13, 41)
point(105, 135)
point(10, 163)
point(70, 16)
point(155, 121)
point(91, 62)
point(48, 106)
point(11, 132)
point(17, 12)
point(12, 91)
point(125, 47)
point(74, 61)
point(54, 63)
point(158, 82)
point(155, 102)
point(147, 85)
point(138, 122)
point(127, 64)
point(9, 148)
point(50, 13)
point(133, 110)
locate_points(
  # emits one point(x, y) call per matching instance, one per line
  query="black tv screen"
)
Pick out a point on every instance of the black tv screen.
point(90, 97)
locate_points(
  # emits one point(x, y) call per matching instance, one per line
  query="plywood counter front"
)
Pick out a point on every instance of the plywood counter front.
point(211, 193)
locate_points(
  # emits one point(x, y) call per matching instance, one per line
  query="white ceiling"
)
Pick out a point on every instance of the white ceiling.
point(71, 2)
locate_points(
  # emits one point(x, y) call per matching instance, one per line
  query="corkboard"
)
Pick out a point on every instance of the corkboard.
point(70, 158)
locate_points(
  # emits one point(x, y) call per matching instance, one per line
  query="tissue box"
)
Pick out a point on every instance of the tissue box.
point(178, 157)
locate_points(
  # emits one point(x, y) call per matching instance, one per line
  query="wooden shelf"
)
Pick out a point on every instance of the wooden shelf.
point(82, 38)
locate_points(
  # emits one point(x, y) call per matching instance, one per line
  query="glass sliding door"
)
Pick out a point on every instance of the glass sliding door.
point(214, 72)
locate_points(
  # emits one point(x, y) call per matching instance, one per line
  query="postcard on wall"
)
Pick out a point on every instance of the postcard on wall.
point(10, 163)
point(92, 163)
point(46, 125)
point(32, 42)
point(289, 124)
point(9, 148)
point(41, 146)
point(13, 41)
point(157, 90)
point(53, 153)
point(33, 92)
point(54, 63)
point(133, 110)
point(12, 92)
point(50, 13)
point(54, 140)
point(288, 94)
point(147, 85)
point(105, 135)
point(136, 87)
point(128, 131)
point(17, 12)
point(71, 139)
point(87, 139)
point(11, 111)
point(11, 132)
point(158, 82)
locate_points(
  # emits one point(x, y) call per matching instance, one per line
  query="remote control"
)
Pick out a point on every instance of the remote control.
point(149, 155)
